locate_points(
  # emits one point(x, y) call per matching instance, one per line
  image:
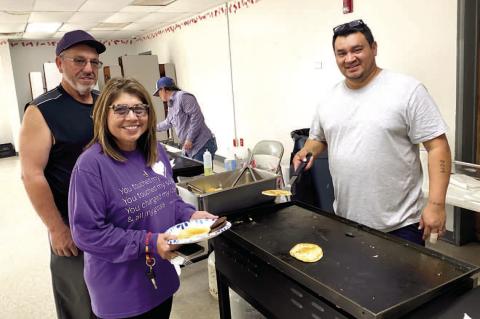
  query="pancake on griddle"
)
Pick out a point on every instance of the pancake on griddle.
point(307, 252)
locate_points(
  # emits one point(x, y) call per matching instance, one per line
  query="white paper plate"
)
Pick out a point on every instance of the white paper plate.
point(177, 229)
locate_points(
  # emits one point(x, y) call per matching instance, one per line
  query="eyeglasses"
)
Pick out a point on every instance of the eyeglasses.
point(349, 25)
point(123, 109)
point(82, 62)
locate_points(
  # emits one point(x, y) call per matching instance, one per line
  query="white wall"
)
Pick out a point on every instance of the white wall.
point(282, 60)
point(286, 46)
point(10, 119)
point(200, 55)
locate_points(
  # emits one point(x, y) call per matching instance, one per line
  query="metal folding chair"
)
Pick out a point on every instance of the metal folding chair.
point(267, 155)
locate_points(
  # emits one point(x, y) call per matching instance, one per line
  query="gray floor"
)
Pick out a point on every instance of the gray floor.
point(25, 279)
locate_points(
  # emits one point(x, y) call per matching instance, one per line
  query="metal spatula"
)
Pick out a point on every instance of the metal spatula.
point(298, 173)
point(290, 190)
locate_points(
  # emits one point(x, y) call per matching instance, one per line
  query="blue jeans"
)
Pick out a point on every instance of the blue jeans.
point(211, 146)
point(410, 233)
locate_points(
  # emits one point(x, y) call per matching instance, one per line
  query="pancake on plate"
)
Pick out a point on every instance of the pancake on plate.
point(277, 192)
point(193, 231)
point(306, 252)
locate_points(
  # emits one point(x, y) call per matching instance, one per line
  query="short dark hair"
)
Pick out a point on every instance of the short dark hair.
point(354, 26)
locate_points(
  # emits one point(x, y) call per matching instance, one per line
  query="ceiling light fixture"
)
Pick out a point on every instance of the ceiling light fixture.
point(161, 3)
point(43, 27)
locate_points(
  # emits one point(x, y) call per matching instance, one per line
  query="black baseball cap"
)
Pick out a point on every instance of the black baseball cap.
point(72, 38)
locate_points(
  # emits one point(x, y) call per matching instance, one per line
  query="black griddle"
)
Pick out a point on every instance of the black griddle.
point(363, 274)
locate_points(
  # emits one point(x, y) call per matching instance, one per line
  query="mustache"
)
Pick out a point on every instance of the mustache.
point(88, 75)
point(350, 65)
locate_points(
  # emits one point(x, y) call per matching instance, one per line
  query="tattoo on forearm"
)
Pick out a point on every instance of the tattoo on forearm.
point(436, 203)
point(443, 168)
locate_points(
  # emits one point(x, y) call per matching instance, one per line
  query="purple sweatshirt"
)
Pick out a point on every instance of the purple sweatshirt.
point(185, 115)
point(112, 206)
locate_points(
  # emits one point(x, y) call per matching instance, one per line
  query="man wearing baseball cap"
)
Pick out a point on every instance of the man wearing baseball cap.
point(56, 127)
point(185, 116)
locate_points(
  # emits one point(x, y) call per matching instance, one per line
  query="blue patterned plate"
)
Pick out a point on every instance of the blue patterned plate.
point(194, 231)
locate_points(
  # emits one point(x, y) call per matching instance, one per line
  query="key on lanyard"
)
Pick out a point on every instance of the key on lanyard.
point(151, 276)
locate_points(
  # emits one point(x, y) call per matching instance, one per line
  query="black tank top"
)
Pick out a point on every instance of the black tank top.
point(71, 125)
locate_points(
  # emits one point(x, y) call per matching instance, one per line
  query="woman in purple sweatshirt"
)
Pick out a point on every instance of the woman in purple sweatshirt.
point(122, 200)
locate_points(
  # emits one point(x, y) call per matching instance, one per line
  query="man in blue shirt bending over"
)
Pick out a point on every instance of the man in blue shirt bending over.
point(185, 116)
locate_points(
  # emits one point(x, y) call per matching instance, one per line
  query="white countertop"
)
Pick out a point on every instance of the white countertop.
point(171, 148)
point(456, 196)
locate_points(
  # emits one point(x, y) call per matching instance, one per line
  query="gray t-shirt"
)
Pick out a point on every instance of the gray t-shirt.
point(373, 135)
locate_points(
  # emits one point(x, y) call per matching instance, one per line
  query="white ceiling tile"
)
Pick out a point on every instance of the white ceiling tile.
point(11, 36)
point(66, 27)
point(110, 26)
point(140, 26)
point(50, 16)
point(12, 27)
point(139, 9)
point(109, 34)
point(152, 2)
point(160, 17)
point(89, 17)
point(37, 35)
point(43, 27)
point(16, 5)
point(58, 35)
point(120, 17)
point(57, 5)
point(13, 18)
point(89, 14)
point(100, 34)
point(126, 34)
point(104, 5)
point(191, 6)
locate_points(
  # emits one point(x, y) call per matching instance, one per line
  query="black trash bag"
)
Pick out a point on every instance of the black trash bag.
point(315, 186)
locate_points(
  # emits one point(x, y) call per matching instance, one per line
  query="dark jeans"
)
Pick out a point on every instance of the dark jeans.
point(211, 146)
point(160, 312)
point(410, 233)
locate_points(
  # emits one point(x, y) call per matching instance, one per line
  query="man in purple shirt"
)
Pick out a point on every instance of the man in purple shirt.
point(185, 116)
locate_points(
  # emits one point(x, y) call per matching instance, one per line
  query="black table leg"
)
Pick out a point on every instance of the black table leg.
point(223, 297)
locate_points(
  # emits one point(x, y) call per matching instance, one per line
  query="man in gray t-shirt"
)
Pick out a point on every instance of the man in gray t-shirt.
point(373, 123)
